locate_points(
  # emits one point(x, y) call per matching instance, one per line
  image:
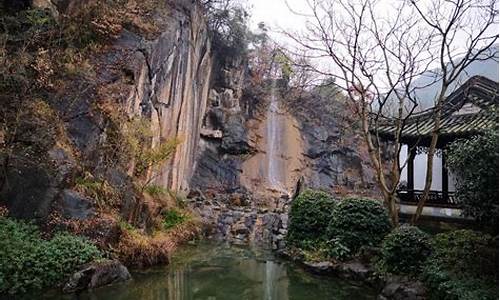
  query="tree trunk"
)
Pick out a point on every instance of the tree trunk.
point(430, 156)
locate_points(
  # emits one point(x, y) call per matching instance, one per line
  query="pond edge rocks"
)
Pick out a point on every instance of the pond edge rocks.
point(390, 287)
point(97, 274)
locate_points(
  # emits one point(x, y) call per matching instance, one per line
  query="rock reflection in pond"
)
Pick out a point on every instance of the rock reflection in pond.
point(219, 272)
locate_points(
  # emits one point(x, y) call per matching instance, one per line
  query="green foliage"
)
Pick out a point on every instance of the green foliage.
point(29, 262)
point(463, 265)
point(229, 32)
point(62, 254)
point(173, 218)
point(152, 157)
point(156, 190)
point(100, 190)
point(404, 250)
point(309, 217)
point(337, 249)
point(358, 222)
point(475, 162)
point(467, 251)
point(285, 64)
point(316, 252)
point(125, 226)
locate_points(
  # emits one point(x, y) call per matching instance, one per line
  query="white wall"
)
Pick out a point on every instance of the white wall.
point(420, 168)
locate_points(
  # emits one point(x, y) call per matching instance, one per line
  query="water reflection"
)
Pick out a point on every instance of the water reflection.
point(217, 272)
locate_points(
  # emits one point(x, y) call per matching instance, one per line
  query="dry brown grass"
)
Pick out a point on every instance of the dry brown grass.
point(132, 246)
point(139, 249)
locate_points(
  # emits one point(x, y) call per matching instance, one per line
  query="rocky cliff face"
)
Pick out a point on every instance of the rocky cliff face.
point(244, 147)
point(171, 83)
point(308, 137)
point(315, 137)
point(335, 158)
point(159, 76)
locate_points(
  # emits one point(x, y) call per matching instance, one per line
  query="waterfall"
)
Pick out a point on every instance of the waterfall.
point(274, 139)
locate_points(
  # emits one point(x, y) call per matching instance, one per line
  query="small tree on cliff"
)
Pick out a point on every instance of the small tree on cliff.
point(376, 55)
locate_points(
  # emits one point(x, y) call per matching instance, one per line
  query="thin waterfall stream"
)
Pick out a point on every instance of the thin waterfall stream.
point(274, 143)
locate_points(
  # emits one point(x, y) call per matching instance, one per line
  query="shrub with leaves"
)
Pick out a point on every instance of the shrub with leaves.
point(309, 217)
point(358, 222)
point(155, 190)
point(475, 162)
point(404, 250)
point(173, 218)
point(100, 190)
point(463, 265)
point(29, 262)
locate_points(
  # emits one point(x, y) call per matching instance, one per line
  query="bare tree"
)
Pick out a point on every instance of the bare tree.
point(465, 31)
point(377, 49)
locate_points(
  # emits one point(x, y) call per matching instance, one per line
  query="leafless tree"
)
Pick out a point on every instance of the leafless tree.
point(465, 31)
point(376, 50)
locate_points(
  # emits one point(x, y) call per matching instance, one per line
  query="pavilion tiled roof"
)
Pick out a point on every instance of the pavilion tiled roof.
point(466, 111)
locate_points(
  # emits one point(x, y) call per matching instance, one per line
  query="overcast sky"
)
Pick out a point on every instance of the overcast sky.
point(275, 13)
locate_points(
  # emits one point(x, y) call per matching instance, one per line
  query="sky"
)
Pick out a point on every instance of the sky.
point(276, 14)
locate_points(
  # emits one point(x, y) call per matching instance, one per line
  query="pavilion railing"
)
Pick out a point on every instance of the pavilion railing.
point(436, 198)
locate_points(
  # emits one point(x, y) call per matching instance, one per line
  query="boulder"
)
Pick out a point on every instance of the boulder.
point(402, 288)
point(235, 138)
point(354, 270)
point(323, 267)
point(74, 205)
point(97, 274)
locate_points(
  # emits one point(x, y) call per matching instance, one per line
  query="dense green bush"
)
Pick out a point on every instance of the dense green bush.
point(29, 262)
point(475, 162)
point(358, 222)
point(404, 250)
point(309, 217)
point(463, 265)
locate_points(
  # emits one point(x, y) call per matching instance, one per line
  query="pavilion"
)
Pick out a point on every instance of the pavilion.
point(466, 112)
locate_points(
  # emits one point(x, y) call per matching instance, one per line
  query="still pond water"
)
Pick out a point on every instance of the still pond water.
point(211, 271)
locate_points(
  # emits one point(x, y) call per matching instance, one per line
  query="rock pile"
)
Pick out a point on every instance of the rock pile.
point(237, 219)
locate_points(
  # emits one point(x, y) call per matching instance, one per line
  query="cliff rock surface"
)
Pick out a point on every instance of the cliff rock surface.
point(147, 81)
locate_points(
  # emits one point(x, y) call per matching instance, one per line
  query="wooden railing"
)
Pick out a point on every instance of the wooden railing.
point(436, 198)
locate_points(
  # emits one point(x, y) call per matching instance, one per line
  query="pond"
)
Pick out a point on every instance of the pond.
point(210, 271)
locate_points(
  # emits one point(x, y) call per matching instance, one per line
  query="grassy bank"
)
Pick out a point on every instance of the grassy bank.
point(34, 259)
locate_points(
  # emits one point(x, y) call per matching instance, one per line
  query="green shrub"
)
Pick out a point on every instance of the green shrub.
point(309, 217)
point(358, 222)
point(404, 250)
point(463, 265)
point(475, 162)
point(467, 251)
point(29, 262)
point(156, 190)
point(172, 218)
